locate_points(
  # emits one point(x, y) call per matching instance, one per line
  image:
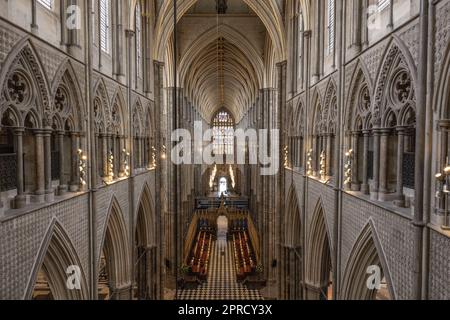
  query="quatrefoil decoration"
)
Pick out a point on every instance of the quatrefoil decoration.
point(17, 88)
point(402, 87)
point(61, 100)
point(364, 100)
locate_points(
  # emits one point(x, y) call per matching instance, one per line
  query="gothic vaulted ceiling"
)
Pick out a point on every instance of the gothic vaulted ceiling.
point(227, 50)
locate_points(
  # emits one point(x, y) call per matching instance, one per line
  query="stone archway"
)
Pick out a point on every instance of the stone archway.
point(58, 261)
point(367, 266)
point(319, 268)
point(114, 260)
point(145, 246)
point(292, 268)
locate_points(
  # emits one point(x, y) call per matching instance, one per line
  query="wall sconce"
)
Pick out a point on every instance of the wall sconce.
point(309, 169)
point(323, 166)
point(212, 178)
point(286, 157)
point(233, 181)
point(164, 153)
point(443, 187)
point(154, 164)
point(348, 168)
point(82, 165)
point(111, 166)
point(126, 164)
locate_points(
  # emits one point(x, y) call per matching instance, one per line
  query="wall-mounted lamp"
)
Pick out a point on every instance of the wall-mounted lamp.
point(111, 166)
point(309, 169)
point(348, 168)
point(443, 192)
point(164, 152)
point(126, 162)
point(82, 165)
point(233, 181)
point(154, 164)
point(212, 178)
point(323, 168)
point(286, 157)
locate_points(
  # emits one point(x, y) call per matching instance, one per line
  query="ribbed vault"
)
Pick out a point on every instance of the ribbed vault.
point(267, 10)
point(221, 75)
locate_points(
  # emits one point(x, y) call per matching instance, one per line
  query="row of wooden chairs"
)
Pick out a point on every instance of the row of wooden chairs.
point(200, 255)
point(243, 255)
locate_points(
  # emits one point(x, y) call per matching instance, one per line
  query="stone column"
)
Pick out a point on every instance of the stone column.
point(313, 292)
point(357, 15)
point(316, 65)
point(365, 31)
point(20, 199)
point(384, 162)
point(75, 172)
point(356, 186)
point(49, 192)
point(122, 293)
point(39, 193)
point(365, 178)
point(400, 197)
point(34, 26)
point(62, 179)
point(376, 165)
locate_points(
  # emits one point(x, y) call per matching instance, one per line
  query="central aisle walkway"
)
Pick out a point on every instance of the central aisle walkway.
point(221, 283)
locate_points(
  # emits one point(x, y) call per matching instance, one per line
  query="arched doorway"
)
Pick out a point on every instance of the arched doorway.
point(366, 276)
point(292, 269)
point(114, 262)
point(319, 282)
point(52, 279)
point(145, 255)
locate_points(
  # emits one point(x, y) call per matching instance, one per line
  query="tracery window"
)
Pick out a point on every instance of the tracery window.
point(223, 130)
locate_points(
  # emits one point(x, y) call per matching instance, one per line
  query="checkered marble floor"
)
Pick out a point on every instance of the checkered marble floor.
point(221, 284)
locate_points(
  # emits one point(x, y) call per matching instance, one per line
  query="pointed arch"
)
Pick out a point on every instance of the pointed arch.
point(55, 256)
point(116, 247)
point(319, 251)
point(292, 222)
point(397, 57)
point(145, 247)
point(66, 77)
point(359, 96)
point(26, 67)
point(101, 105)
point(366, 252)
point(442, 96)
point(145, 219)
point(316, 103)
point(116, 116)
point(138, 118)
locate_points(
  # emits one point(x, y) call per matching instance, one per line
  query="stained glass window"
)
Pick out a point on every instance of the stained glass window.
point(223, 128)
